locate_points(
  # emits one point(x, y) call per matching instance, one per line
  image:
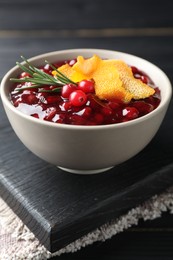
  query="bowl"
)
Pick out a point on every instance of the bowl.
point(87, 149)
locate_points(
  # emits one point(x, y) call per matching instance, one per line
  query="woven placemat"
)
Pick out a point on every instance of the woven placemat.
point(17, 242)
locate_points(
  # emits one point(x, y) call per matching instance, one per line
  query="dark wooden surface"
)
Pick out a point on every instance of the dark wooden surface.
point(61, 207)
point(141, 28)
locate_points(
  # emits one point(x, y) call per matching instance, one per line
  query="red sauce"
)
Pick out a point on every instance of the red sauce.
point(78, 105)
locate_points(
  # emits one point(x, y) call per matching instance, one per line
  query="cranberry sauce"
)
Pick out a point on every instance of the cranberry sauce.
point(78, 105)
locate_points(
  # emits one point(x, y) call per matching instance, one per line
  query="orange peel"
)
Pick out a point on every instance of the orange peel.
point(136, 87)
point(113, 78)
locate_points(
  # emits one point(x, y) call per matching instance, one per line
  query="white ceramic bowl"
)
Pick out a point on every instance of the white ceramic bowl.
point(87, 149)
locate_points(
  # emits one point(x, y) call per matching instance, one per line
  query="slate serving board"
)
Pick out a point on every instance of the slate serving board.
point(60, 207)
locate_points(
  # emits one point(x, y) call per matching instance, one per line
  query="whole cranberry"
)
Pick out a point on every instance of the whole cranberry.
point(67, 90)
point(78, 98)
point(86, 86)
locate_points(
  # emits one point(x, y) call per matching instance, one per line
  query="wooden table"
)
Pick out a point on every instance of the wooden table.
point(142, 28)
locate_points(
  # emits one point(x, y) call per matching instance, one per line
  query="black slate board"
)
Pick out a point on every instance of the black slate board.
point(60, 207)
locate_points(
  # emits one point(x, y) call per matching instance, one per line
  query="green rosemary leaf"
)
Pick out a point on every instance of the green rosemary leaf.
point(24, 68)
point(34, 80)
point(60, 73)
point(29, 87)
point(50, 90)
point(39, 78)
point(32, 68)
point(42, 74)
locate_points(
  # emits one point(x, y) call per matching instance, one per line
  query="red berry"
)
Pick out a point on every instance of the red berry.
point(113, 105)
point(98, 118)
point(66, 106)
point(60, 118)
point(77, 120)
point(67, 90)
point(72, 62)
point(107, 111)
point(51, 112)
point(86, 86)
point(86, 112)
point(78, 98)
point(135, 70)
point(35, 115)
point(29, 99)
point(52, 99)
point(24, 75)
point(144, 79)
point(143, 107)
point(130, 113)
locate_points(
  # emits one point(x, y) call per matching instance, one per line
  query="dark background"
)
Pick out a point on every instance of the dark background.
point(143, 28)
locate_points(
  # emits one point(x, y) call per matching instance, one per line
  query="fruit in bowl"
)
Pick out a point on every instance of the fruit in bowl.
point(85, 110)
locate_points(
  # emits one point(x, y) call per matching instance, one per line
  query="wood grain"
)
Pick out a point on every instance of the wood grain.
point(143, 28)
point(60, 207)
point(77, 14)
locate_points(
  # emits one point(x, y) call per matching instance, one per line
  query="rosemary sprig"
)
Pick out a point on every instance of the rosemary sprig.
point(39, 78)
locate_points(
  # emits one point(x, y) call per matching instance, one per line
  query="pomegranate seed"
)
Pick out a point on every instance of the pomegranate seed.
point(67, 90)
point(86, 86)
point(78, 98)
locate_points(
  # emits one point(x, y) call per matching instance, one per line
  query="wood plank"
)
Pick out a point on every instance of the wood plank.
point(30, 167)
point(61, 207)
point(146, 47)
point(73, 14)
point(151, 240)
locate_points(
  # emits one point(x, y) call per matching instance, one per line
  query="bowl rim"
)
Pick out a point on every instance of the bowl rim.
point(6, 101)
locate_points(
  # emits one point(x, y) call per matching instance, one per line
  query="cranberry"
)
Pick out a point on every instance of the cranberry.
point(99, 118)
point(51, 112)
point(143, 107)
point(78, 98)
point(106, 111)
point(72, 62)
point(144, 79)
point(29, 99)
point(86, 112)
point(78, 105)
point(86, 86)
point(113, 104)
point(67, 90)
point(66, 106)
point(134, 70)
point(35, 115)
point(24, 75)
point(61, 118)
point(47, 68)
point(77, 120)
point(130, 113)
point(52, 99)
